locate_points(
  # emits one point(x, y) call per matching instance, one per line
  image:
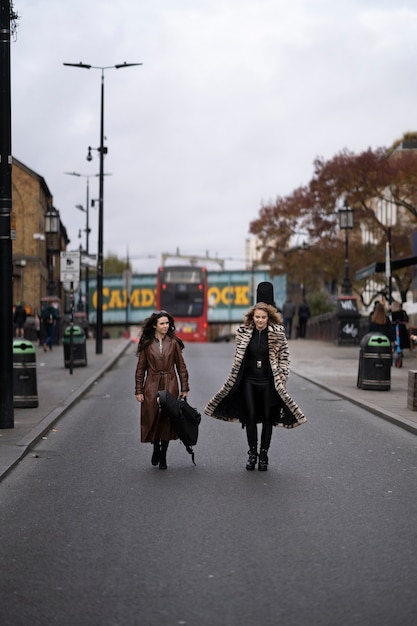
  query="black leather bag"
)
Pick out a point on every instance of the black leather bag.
point(184, 418)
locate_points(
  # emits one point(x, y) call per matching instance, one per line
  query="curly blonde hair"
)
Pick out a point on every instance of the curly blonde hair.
point(273, 316)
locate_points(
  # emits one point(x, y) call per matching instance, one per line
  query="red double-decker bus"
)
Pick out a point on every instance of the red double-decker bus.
point(182, 291)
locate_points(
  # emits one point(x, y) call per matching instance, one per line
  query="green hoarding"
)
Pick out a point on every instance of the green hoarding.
point(230, 294)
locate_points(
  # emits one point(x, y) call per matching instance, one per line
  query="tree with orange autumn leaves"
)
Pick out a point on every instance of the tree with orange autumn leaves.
point(300, 234)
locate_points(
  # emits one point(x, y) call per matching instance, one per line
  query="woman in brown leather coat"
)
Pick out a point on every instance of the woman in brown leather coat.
point(160, 365)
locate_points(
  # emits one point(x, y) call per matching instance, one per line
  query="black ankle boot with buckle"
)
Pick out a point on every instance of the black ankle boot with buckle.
point(253, 455)
point(163, 455)
point(156, 453)
point(263, 460)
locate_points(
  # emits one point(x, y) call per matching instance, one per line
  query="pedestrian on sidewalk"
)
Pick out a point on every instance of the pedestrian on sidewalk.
point(37, 326)
point(288, 313)
point(303, 317)
point(48, 315)
point(381, 323)
point(399, 316)
point(160, 366)
point(19, 318)
point(255, 391)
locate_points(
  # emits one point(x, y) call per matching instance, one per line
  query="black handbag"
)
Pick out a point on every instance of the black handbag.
point(184, 419)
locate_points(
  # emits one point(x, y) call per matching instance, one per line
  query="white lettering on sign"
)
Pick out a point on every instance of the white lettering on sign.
point(350, 329)
point(348, 305)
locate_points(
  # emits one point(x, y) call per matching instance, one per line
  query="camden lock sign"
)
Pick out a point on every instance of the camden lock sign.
point(230, 294)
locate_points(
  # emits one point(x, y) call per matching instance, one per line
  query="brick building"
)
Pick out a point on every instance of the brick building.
point(36, 252)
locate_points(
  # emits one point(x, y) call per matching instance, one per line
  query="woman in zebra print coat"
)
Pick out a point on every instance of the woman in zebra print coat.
point(255, 390)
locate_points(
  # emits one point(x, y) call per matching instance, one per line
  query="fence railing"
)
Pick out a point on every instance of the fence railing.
point(326, 327)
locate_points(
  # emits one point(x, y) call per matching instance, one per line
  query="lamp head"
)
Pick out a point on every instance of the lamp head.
point(89, 156)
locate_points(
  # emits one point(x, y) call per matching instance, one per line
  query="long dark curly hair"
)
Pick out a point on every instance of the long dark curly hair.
point(148, 330)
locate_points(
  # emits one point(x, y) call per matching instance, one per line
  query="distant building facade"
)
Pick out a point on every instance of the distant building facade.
point(36, 253)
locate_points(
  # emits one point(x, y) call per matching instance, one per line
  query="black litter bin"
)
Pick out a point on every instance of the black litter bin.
point(79, 347)
point(25, 387)
point(375, 360)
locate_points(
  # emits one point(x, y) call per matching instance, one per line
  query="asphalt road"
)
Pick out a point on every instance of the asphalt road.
point(93, 535)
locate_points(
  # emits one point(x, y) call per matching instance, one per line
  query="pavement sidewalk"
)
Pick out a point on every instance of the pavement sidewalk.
point(335, 368)
point(58, 390)
point(332, 367)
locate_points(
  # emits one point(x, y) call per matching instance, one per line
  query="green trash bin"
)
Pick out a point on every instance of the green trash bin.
point(375, 360)
point(79, 347)
point(25, 385)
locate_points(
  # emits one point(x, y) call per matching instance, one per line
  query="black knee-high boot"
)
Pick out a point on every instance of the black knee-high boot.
point(252, 436)
point(265, 443)
point(163, 455)
point(156, 453)
point(266, 436)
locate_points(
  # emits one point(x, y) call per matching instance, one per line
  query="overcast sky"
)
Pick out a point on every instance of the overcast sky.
point(234, 101)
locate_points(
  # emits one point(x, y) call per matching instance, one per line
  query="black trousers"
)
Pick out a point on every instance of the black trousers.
point(303, 326)
point(257, 398)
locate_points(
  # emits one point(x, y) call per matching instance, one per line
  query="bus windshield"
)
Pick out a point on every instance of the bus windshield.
point(183, 292)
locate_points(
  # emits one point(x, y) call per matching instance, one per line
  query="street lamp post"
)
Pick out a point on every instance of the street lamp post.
point(39, 237)
point(87, 236)
point(52, 228)
point(102, 151)
point(388, 217)
point(388, 254)
point(347, 311)
point(346, 224)
point(86, 210)
point(127, 285)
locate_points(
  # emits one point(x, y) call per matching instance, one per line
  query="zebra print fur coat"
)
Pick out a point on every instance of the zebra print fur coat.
point(228, 404)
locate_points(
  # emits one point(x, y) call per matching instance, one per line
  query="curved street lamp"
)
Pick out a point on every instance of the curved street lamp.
point(346, 223)
point(87, 231)
point(52, 229)
point(102, 151)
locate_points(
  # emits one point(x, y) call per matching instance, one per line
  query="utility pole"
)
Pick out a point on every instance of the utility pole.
point(102, 151)
point(6, 258)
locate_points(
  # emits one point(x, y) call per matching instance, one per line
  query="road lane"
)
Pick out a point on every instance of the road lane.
point(92, 534)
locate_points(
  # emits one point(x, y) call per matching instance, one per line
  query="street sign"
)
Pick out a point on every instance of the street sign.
point(365, 272)
point(89, 260)
point(70, 266)
point(380, 267)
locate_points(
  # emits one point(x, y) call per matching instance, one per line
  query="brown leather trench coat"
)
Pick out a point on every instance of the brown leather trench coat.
point(156, 371)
